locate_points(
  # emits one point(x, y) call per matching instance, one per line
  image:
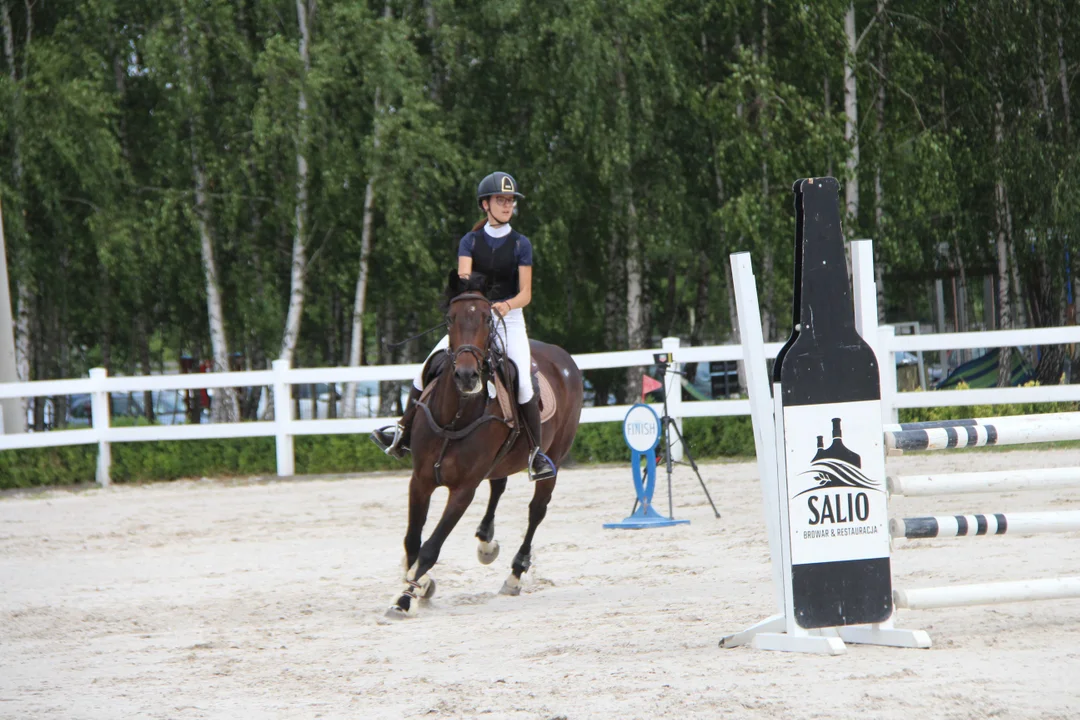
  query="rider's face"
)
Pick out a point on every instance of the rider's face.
point(501, 208)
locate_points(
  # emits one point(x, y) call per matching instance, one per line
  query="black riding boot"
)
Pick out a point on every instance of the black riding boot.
point(540, 465)
point(395, 440)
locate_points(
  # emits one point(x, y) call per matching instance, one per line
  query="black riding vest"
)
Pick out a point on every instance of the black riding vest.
point(499, 265)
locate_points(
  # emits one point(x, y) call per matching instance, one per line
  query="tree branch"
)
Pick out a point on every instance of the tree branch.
point(902, 91)
point(868, 26)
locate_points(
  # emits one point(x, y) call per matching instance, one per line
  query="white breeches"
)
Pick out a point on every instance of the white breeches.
point(515, 343)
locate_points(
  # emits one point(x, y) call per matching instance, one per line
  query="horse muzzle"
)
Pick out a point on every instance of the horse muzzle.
point(468, 381)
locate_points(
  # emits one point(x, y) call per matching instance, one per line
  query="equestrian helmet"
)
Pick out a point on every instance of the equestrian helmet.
point(497, 183)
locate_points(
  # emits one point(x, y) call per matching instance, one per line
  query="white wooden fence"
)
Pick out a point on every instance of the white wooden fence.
point(285, 427)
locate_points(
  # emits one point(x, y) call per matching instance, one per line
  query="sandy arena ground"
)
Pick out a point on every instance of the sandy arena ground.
point(208, 599)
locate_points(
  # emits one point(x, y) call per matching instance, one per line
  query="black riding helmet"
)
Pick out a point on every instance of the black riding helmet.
point(497, 183)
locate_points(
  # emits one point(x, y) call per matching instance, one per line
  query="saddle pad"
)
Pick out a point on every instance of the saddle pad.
point(547, 398)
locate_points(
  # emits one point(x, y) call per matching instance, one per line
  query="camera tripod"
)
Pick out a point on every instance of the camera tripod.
point(667, 425)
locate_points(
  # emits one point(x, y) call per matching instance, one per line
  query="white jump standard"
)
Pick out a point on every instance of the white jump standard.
point(820, 452)
point(826, 506)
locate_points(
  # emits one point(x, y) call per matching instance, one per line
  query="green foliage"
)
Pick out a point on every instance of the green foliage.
point(649, 133)
point(315, 455)
point(140, 462)
point(707, 437)
point(983, 411)
point(60, 466)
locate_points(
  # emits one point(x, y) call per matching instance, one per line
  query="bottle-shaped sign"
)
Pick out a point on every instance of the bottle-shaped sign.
point(837, 514)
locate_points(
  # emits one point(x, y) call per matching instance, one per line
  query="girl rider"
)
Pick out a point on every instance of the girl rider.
point(505, 256)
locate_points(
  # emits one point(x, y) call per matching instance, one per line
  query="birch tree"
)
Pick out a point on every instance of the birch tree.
point(851, 120)
point(224, 407)
point(356, 335)
point(305, 12)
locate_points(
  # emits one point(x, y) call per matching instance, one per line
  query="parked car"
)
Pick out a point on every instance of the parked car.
point(170, 407)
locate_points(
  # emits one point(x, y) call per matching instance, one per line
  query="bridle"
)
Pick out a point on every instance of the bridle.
point(479, 353)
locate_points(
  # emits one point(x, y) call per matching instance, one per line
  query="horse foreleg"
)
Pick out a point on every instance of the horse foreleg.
point(488, 549)
point(523, 559)
point(417, 586)
point(419, 502)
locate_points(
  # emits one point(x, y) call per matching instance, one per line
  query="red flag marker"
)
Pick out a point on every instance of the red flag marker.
point(648, 385)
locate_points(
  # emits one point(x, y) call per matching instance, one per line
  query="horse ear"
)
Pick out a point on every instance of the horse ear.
point(453, 283)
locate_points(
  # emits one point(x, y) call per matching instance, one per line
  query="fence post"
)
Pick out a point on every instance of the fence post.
point(865, 286)
point(283, 419)
point(887, 371)
point(99, 418)
point(673, 393)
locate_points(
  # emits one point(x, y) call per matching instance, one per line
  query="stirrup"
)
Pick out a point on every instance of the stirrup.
point(394, 448)
point(547, 472)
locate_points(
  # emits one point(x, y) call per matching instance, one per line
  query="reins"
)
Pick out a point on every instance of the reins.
point(390, 346)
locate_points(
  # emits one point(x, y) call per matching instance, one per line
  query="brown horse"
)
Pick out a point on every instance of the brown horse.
point(460, 437)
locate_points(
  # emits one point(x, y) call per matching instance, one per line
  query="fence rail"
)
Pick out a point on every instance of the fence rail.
point(285, 426)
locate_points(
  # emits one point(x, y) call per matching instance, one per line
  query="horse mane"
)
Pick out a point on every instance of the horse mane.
point(456, 285)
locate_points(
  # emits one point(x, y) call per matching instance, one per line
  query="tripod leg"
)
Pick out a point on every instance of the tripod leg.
point(690, 457)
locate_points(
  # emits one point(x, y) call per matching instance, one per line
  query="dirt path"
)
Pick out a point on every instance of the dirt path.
point(223, 600)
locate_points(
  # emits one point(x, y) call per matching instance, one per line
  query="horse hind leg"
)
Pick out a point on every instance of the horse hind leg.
point(523, 560)
point(488, 548)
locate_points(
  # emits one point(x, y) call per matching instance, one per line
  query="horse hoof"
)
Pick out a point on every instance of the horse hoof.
point(511, 587)
point(396, 613)
point(429, 591)
point(486, 552)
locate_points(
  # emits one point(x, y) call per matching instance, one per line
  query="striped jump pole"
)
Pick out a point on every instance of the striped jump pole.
point(987, 594)
point(1026, 523)
point(981, 432)
point(984, 482)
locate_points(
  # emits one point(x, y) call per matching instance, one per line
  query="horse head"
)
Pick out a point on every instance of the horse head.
point(468, 317)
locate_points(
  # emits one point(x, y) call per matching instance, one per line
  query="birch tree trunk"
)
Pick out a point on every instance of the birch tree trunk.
point(298, 273)
point(612, 309)
point(879, 186)
point(224, 407)
point(1040, 73)
point(1063, 75)
point(1002, 249)
point(851, 123)
point(635, 308)
point(23, 337)
point(356, 341)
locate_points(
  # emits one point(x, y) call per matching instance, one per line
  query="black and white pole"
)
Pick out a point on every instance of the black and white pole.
point(983, 432)
point(986, 524)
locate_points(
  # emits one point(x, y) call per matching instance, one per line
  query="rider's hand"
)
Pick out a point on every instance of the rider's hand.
point(502, 308)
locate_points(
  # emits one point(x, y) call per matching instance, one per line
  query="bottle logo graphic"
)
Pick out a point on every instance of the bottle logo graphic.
point(837, 466)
